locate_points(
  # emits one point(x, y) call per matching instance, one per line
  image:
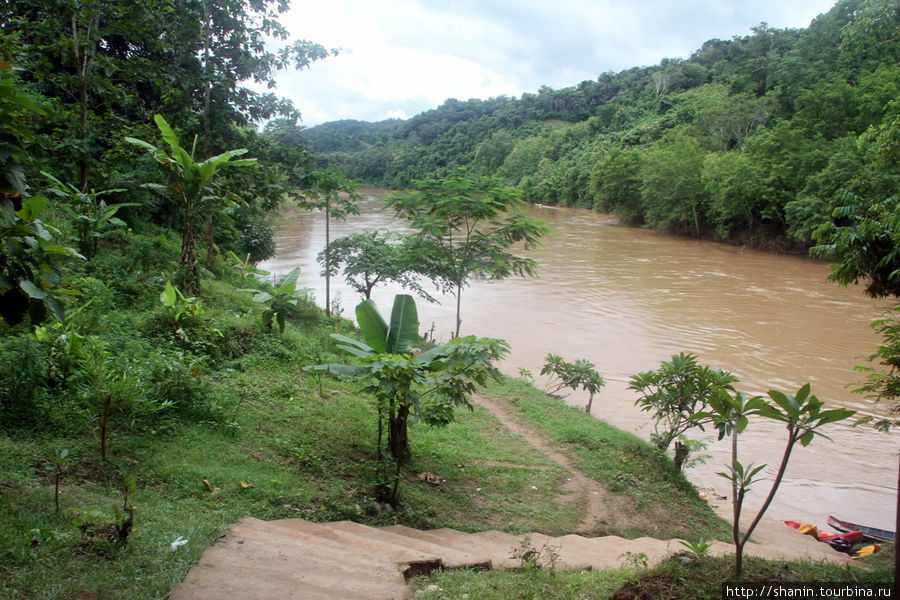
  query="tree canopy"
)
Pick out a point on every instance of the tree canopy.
point(467, 225)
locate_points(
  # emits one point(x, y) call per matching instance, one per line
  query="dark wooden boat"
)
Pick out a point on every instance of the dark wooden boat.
point(870, 534)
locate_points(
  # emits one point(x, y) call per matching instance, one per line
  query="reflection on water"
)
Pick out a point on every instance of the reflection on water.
point(627, 298)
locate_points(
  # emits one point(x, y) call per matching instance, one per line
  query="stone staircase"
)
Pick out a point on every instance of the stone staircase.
point(297, 559)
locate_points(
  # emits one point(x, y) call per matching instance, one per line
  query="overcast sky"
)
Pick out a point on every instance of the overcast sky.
point(401, 57)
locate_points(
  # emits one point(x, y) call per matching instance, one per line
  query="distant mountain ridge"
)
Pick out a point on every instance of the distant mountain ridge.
point(763, 129)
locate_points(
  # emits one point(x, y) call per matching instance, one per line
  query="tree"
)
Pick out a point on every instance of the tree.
point(802, 415)
point(373, 257)
point(676, 392)
point(90, 215)
point(616, 184)
point(189, 181)
point(671, 188)
point(573, 375)
point(734, 190)
point(28, 252)
point(230, 45)
point(427, 386)
point(467, 225)
point(333, 193)
point(282, 302)
point(863, 238)
point(865, 248)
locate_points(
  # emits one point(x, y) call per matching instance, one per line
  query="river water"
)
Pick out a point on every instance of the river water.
point(627, 298)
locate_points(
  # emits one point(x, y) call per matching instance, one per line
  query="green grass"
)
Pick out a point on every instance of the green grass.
point(643, 479)
point(519, 585)
point(682, 576)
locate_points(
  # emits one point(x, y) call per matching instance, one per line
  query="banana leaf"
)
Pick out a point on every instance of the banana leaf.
point(373, 326)
point(404, 330)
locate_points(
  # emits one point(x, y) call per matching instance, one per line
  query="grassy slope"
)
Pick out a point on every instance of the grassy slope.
point(272, 443)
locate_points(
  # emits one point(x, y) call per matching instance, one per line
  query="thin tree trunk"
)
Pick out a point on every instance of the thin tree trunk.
point(84, 59)
point(210, 240)
point(458, 306)
point(327, 258)
point(107, 409)
point(189, 255)
point(207, 133)
point(398, 438)
point(739, 550)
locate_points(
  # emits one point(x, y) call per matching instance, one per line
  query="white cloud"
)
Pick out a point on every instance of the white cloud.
point(401, 57)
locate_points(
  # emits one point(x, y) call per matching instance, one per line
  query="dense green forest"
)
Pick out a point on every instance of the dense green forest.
point(79, 78)
point(751, 140)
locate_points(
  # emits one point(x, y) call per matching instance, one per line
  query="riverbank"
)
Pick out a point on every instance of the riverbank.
point(244, 431)
point(626, 299)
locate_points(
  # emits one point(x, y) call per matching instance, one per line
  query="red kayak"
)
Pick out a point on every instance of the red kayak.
point(839, 541)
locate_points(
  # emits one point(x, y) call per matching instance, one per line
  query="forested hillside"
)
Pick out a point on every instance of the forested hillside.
point(753, 139)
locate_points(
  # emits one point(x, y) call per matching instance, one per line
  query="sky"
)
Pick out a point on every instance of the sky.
point(399, 58)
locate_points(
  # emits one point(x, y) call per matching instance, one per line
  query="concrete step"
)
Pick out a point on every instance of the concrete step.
point(260, 561)
point(280, 580)
point(204, 583)
point(496, 545)
point(411, 562)
point(451, 558)
point(545, 551)
point(292, 541)
point(292, 559)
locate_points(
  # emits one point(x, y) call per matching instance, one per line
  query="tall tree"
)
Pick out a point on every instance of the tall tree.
point(468, 224)
point(671, 187)
point(336, 196)
point(231, 49)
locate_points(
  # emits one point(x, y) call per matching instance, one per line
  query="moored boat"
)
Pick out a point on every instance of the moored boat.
point(870, 534)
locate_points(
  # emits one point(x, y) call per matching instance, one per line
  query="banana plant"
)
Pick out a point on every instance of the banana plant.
point(189, 181)
point(244, 267)
point(429, 384)
point(283, 301)
point(91, 216)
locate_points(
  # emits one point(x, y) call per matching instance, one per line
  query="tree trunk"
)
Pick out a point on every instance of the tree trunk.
point(210, 241)
point(681, 453)
point(84, 60)
point(207, 134)
point(190, 276)
point(327, 259)
point(458, 305)
point(398, 437)
point(107, 410)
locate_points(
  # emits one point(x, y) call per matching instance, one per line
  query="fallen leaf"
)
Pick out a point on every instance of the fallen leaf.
point(246, 484)
point(431, 478)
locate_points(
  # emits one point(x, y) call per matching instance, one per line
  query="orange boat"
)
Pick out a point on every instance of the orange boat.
point(841, 542)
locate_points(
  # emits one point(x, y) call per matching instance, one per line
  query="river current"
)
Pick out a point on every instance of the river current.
point(628, 298)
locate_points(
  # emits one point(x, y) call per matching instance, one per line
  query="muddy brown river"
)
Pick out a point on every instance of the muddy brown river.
point(627, 298)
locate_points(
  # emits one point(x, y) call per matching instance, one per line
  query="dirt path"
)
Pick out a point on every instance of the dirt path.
point(599, 505)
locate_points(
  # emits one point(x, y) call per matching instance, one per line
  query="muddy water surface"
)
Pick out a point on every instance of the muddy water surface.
point(627, 298)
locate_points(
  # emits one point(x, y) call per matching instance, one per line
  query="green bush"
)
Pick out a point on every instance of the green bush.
point(24, 376)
